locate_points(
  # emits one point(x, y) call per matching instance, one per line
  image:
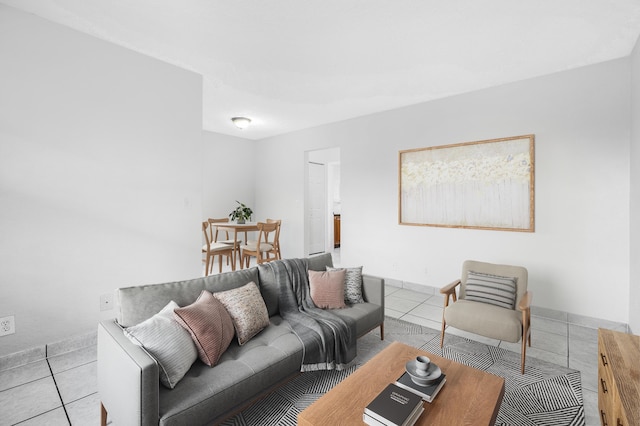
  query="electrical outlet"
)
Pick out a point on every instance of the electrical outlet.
point(7, 325)
point(106, 302)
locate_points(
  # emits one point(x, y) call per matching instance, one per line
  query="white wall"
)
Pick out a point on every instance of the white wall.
point(578, 258)
point(100, 177)
point(228, 175)
point(634, 293)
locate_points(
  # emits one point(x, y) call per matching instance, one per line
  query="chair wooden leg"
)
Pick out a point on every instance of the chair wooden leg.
point(524, 354)
point(206, 265)
point(103, 415)
point(382, 330)
point(526, 336)
point(444, 323)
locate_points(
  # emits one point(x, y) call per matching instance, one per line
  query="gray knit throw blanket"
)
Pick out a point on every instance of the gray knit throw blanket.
point(329, 341)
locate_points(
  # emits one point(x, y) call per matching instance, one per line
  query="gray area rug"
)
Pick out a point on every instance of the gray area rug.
point(547, 394)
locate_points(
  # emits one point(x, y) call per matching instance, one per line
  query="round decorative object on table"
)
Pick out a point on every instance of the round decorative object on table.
point(419, 376)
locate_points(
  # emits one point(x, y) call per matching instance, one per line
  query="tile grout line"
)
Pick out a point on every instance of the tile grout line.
point(53, 377)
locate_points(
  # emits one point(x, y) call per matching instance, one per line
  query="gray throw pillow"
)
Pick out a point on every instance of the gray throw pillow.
point(491, 289)
point(352, 284)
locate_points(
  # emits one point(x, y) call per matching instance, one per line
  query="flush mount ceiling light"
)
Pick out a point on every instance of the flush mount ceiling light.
point(241, 122)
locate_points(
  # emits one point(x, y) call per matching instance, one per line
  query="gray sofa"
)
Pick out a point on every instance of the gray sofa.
point(128, 380)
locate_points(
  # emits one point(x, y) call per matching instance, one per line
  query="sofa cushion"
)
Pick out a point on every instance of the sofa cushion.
point(366, 315)
point(352, 284)
point(485, 319)
point(492, 289)
point(167, 342)
point(327, 288)
point(247, 310)
point(320, 262)
point(209, 325)
point(242, 373)
point(136, 304)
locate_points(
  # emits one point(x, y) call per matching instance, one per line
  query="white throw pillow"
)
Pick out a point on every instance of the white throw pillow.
point(167, 342)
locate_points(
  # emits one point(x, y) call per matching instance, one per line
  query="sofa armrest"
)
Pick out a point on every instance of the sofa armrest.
point(373, 290)
point(128, 381)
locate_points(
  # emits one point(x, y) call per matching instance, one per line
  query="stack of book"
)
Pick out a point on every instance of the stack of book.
point(394, 406)
point(429, 392)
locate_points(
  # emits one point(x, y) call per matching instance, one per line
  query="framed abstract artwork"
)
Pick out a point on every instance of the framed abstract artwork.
point(482, 185)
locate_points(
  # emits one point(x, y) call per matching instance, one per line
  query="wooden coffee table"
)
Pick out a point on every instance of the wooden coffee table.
point(470, 396)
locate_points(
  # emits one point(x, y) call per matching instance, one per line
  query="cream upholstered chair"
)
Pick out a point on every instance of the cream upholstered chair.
point(261, 249)
point(212, 249)
point(492, 301)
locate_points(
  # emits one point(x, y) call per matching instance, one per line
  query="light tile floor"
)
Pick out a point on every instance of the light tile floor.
point(62, 389)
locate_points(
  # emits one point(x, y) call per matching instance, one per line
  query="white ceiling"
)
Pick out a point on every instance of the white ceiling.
point(293, 64)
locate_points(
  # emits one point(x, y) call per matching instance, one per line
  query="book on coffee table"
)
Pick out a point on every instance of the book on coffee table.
point(394, 406)
point(373, 422)
point(428, 393)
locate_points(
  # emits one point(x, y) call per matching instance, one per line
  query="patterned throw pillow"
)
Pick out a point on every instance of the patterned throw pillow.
point(352, 285)
point(492, 289)
point(209, 325)
point(327, 288)
point(247, 310)
point(167, 342)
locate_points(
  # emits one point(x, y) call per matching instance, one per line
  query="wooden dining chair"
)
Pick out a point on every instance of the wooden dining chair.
point(213, 249)
point(215, 235)
point(262, 249)
point(274, 238)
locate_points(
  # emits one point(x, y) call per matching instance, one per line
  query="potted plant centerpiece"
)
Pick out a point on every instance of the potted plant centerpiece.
point(242, 213)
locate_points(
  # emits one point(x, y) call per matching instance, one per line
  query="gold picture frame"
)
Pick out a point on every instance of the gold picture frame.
point(486, 184)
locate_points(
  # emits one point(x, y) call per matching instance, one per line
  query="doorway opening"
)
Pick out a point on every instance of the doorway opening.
point(322, 201)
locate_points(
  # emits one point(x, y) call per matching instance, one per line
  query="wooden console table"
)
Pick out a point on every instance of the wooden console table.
point(618, 378)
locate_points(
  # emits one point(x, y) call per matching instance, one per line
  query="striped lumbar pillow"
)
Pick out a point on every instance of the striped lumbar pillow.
point(492, 289)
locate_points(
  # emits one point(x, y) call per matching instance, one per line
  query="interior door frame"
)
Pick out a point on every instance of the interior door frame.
point(322, 210)
point(327, 157)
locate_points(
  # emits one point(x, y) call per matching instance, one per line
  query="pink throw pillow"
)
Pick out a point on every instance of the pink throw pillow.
point(327, 288)
point(210, 326)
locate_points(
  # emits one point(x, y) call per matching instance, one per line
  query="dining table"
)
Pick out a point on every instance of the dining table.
point(236, 228)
